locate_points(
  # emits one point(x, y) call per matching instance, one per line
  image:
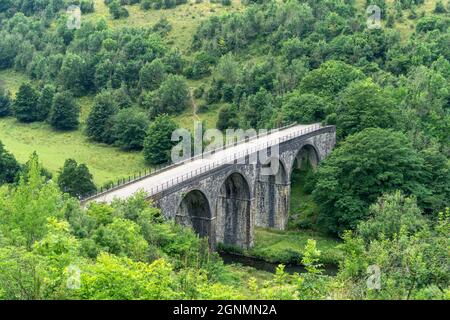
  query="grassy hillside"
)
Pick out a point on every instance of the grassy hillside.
point(54, 147)
point(184, 18)
point(11, 80)
point(387, 92)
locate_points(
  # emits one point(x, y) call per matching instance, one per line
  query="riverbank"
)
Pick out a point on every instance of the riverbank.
point(284, 247)
point(271, 267)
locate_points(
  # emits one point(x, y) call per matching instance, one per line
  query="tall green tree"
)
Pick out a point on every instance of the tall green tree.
point(436, 176)
point(8, 50)
point(65, 112)
point(25, 172)
point(258, 109)
point(391, 213)
point(158, 142)
point(200, 66)
point(5, 103)
point(87, 6)
point(26, 103)
point(330, 78)
point(364, 104)
point(116, 10)
point(122, 97)
point(428, 99)
point(25, 209)
point(228, 118)
point(412, 256)
point(366, 165)
point(75, 179)
point(122, 237)
point(45, 102)
point(42, 271)
point(104, 72)
point(173, 95)
point(9, 167)
point(152, 74)
point(130, 128)
point(100, 120)
point(304, 108)
point(73, 74)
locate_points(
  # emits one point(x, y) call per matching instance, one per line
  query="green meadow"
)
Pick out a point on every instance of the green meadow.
point(106, 163)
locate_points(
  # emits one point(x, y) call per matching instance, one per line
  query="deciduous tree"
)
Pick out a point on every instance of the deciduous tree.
point(366, 165)
point(158, 143)
point(75, 179)
point(100, 120)
point(26, 103)
point(65, 112)
point(9, 167)
point(130, 128)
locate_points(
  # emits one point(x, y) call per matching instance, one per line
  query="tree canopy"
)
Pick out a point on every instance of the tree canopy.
point(75, 179)
point(158, 142)
point(65, 112)
point(130, 129)
point(9, 167)
point(366, 165)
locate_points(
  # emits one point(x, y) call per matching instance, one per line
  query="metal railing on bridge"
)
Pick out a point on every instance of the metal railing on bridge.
point(227, 160)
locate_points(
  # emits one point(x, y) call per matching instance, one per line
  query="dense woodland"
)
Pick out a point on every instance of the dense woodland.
point(384, 190)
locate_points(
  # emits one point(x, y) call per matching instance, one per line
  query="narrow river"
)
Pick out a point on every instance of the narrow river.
point(229, 258)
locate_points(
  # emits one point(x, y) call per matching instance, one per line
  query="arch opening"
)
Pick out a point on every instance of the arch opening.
point(194, 211)
point(306, 156)
point(233, 207)
point(302, 210)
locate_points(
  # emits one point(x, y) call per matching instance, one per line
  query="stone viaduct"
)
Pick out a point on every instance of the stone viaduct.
point(223, 195)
